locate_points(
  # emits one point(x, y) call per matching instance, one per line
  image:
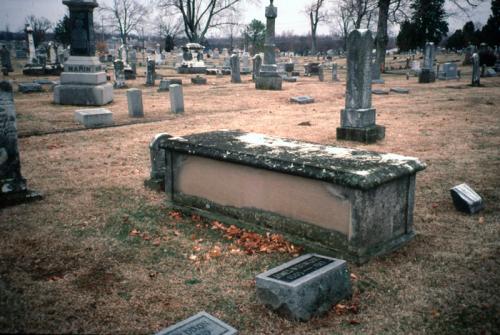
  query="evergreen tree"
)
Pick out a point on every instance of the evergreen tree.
point(406, 37)
point(429, 20)
point(255, 34)
point(456, 41)
point(62, 31)
point(490, 33)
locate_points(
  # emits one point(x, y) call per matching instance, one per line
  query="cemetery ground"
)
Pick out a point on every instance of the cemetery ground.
point(102, 254)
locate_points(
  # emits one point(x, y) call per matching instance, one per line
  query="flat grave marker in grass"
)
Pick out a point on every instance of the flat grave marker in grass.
point(199, 324)
point(305, 99)
point(305, 287)
point(94, 117)
point(466, 199)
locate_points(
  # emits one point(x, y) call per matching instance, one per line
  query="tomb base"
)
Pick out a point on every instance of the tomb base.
point(267, 81)
point(192, 70)
point(335, 201)
point(16, 198)
point(366, 135)
point(84, 95)
point(426, 76)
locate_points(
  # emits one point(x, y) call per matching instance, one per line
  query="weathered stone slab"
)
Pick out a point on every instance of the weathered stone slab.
point(166, 83)
point(235, 69)
point(305, 287)
point(199, 80)
point(30, 87)
point(290, 79)
point(400, 90)
point(96, 117)
point(448, 71)
point(466, 199)
point(135, 106)
point(85, 95)
point(332, 199)
point(13, 188)
point(490, 72)
point(176, 99)
point(380, 92)
point(200, 324)
point(426, 76)
point(305, 99)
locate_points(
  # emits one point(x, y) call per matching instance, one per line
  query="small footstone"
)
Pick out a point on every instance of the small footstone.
point(95, 117)
point(200, 324)
point(400, 90)
point(164, 84)
point(466, 199)
point(30, 87)
point(305, 287)
point(302, 99)
point(199, 80)
point(380, 92)
point(290, 79)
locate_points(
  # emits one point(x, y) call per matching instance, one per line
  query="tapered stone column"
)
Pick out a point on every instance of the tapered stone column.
point(358, 117)
point(83, 81)
point(427, 74)
point(269, 78)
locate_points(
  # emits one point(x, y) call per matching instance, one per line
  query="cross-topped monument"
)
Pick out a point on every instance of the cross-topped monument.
point(83, 81)
point(269, 78)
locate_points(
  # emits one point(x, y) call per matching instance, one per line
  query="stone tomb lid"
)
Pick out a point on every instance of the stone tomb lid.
point(343, 166)
point(300, 270)
point(199, 324)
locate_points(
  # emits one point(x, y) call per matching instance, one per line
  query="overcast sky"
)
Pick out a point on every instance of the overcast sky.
point(290, 14)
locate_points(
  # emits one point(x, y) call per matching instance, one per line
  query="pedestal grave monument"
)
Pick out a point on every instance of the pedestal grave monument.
point(357, 121)
point(13, 187)
point(83, 81)
point(269, 78)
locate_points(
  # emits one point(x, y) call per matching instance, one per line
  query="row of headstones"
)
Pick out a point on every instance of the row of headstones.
point(102, 117)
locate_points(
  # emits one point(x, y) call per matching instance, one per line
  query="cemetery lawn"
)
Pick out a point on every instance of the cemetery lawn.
point(102, 254)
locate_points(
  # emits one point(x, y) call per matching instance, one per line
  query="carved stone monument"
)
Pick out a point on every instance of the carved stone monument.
point(427, 74)
point(269, 78)
point(357, 121)
point(150, 72)
point(476, 72)
point(256, 64)
point(13, 187)
point(83, 81)
point(235, 69)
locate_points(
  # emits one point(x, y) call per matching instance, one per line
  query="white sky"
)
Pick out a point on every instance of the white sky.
point(290, 14)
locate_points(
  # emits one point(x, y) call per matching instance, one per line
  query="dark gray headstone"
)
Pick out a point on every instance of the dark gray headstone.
point(6, 62)
point(150, 73)
point(476, 73)
point(13, 187)
point(82, 26)
point(30, 87)
point(235, 69)
point(200, 324)
point(305, 287)
point(466, 199)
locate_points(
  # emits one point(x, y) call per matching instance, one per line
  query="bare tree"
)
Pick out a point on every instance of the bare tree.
point(170, 25)
point(40, 26)
point(317, 14)
point(201, 15)
point(342, 14)
point(125, 16)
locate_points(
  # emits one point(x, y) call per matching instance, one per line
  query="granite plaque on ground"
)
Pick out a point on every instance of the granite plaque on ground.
point(400, 90)
point(466, 199)
point(30, 88)
point(199, 324)
point(305, 287)
point(302, 99)
point(380, 92)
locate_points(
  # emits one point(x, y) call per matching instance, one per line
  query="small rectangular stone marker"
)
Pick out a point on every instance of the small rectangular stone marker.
point(380, 92)
point(30, 87)
point(176, 99)
point(199, 324)
point(302, 99)
point(134, 99)
point(400, 90)
point(94, 117)
point(290, 79)
point(304, 287)
point(466, 199)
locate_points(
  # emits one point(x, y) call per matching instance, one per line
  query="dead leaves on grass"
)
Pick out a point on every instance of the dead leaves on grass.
point(253, 243)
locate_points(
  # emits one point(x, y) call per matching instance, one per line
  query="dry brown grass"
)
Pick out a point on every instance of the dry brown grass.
point(67, 263)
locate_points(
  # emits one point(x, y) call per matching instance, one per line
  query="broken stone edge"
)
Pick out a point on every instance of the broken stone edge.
point(230, 330)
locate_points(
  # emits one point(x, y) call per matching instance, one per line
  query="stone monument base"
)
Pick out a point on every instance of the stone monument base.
point(15, 198)
point(426, 76)
point(192, 70)
point(85, 95)
point(268, 82)
point(366, 135)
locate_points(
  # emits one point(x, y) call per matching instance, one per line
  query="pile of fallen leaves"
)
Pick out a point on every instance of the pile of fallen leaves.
point(253, 243)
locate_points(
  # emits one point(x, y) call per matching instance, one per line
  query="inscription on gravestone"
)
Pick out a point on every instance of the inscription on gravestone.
point(301, 269)
point(200, 324)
